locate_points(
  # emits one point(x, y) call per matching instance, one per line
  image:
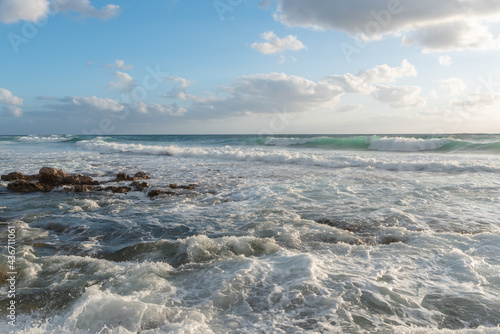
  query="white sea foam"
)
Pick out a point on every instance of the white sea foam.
point(44, 139)
point(322, 159)
point(401, 144)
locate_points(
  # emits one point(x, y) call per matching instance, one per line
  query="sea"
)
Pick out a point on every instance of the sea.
point(282, 234)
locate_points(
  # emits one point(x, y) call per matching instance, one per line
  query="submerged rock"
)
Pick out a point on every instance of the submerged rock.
point(190, 186)
point(120, 177)
point(139, 186)
point(157, 192)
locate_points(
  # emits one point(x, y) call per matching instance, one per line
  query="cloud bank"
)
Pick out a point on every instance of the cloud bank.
point(433, 25)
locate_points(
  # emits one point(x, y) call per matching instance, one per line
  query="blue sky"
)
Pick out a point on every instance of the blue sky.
point(230, 66)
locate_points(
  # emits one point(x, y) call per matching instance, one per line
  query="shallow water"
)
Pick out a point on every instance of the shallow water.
point(285, 234)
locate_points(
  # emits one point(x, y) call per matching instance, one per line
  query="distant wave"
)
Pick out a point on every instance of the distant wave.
point(45, 139)
point(297, 157)
point(386, 144)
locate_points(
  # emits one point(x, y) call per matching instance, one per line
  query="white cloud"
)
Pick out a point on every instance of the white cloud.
point(86, 9)
point(349, 107)
point(399, 96)
point(88, 107)
point(385, 73)
point(12, 11)
point(455, 35)
point(11, 104)
point(183, 83)
point(124, 82)
point(351, 83)
point(445, 60)
point(436, 25)
point(274, 44)
point(267, 93)
point(361, 82)
point(6, 97)
point(154, 108)
point(119, 64)
point(454, 86)
point(93, 103)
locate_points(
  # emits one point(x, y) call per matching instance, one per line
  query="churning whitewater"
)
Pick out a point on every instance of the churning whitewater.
point(282, 234)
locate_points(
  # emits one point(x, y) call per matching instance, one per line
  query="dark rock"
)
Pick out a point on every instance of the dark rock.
point(24, 186)
point(141, 176)
point(157, 192)
point(84, 188)
point(118, 190)
point(139, 186)
point(188, 187)
point(122, 177)
point(19, 176)
point(78, 179)
point(52, 176)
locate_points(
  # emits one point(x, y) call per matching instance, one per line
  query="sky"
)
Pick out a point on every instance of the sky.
point(249, 66)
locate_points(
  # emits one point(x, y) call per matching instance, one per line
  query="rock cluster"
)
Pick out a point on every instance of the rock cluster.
point(49, 178)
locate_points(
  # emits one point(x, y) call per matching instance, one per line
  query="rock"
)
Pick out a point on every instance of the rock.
point(19, 176)
point(122, 177)
point(157, 192)
point(52, 176)
point(191, 186)
point(84, 188)
point(79, 179)
point(118, 190)
point(24, 186)
point(139, 186)
point(141, 176)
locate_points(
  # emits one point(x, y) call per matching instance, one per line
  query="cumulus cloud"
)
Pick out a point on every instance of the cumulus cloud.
point(445, 60)
point(454, 86)
point(12, 11)
point(74, 106)
point(455, 35)
point(180, 91)
point(399, 96)
point(385, 73)
point(351, 83)
point(124, 82)
point(11, 104)
point(266, 93)
point(119, 64)
point(83, 104)
point(274, 44)
point(435, 25)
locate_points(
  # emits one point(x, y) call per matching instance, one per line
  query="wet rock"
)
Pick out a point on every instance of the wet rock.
point(190, 186)
point(52, 176)
point(122, 177)
point(118, 190)
point(156, 192)
point(19, 176)
point(24, 186)
point(141, 176)
point(84, 188)
point(78, 180)
point(139, 186)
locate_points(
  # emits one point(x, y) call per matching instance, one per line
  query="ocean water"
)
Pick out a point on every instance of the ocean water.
point(284, 234)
